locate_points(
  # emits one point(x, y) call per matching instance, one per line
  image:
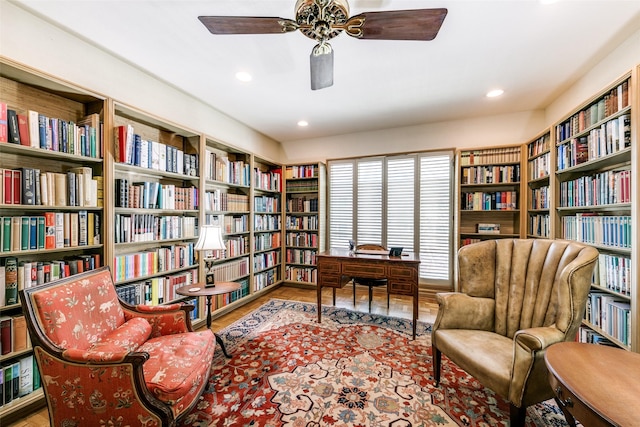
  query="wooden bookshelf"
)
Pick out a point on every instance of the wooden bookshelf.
point(490, 195)
point(539, 197)
point(52, 226)
point(595, 174)
point(305, 188)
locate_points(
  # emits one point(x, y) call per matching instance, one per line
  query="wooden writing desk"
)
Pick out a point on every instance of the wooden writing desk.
point(336, 267)
point(597, 384)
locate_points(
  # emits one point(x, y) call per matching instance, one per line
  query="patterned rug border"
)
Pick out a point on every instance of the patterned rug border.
point(340, 315)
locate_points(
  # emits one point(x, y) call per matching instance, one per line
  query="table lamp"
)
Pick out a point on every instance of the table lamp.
point(210, 239)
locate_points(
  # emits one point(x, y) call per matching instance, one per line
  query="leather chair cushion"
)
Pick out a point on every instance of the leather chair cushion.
point(487, 355)
point(178, 364)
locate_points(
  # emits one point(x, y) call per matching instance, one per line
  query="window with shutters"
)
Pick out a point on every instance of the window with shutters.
point(396, 201)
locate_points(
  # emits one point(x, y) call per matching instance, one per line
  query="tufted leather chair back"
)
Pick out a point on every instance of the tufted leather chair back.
point(538, 264)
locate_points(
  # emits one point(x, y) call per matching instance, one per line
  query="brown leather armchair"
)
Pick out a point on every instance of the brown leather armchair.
point(517, 297)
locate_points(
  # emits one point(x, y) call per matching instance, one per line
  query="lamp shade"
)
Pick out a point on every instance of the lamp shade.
point(210, 238)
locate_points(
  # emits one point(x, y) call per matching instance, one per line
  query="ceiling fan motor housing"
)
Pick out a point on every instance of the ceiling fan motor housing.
point(317, 18)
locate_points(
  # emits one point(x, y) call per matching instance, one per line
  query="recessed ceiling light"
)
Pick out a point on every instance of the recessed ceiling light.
point(494, 93)
point(243, 76)
point(303, 123)
point(548, 1)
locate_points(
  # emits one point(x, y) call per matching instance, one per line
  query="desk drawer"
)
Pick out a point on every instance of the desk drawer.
point(332, 280)
point(328, 266)
point(361, 269)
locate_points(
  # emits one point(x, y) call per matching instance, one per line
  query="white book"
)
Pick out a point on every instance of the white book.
point(144, 153)
point(34, 129)
point(59, 230)
point(26, 375)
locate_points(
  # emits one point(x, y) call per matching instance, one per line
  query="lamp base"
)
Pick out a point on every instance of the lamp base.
point(209, 279)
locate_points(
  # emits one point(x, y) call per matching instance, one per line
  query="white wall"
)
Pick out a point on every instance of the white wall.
point(29, 40)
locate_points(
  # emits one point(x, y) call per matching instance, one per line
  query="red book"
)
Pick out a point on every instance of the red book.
point(8, 186)
point(50, 230)
point(4, 128)
point(121, 144)
point(23, 130)
point(6, 334)
point(17, 187)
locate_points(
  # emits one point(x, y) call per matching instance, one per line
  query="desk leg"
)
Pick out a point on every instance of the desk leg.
point(224, 350)
point(319, 287)
point(415, 309)
point(567, 415)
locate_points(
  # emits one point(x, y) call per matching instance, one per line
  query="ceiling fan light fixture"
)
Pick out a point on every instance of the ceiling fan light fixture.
point(243, 76)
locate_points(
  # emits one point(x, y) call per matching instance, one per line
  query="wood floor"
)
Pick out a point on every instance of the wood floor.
point(399, 307)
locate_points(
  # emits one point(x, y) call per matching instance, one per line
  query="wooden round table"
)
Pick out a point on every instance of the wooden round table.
point(597, 384)
point(199, 290)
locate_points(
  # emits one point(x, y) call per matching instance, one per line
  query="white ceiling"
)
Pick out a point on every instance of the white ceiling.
point(530, 49)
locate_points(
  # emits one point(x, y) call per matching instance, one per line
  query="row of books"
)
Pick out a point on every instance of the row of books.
point(610, 230)
point(611, 314)
point(20, 274)
point(149, 227)
point(231, 271)
point(490, 174)
point(613, 272)
point(490, 156)
point(270, 180)
point(303, 239)
point(236, 246)
point(152, 261)
point(301, 171)
point(265, 278)
point(469, 240)
point(539, 225)
point(266, 241)
point(307, 222)
point(488, 228)
point(483, 201)
point(540, 167)
point(265, 260)
point(301, 274)
point(156, 290)
point(266, 222)
point(226, 299)
point(154, 195)
point(302, 186)
point(219, 201)
point(13, 334)
point(49, 231)
point(266, 204)
point(603, 188)
point(30, 186)
point(539, 146)
point(610, 138)
point(235, 223)
point(130, 148)
point(301, 256)
point(539, 197)
point(589, 336)
point(616, 100)
point(18, 379)
point(219, 167)
point(302, 204)
point(36, 130)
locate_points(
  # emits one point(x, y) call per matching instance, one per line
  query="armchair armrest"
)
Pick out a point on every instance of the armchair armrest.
point(537, 339)
point(164, 319)
point(102, 357)
point(461, 311)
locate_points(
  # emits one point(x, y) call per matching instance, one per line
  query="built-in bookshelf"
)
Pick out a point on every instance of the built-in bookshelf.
point(51, 207)
point(489, 202)
point(226, 202)
point(596, 164)
point(539, 197)
point(156, 194)
point(267, 223)
point(304, 221)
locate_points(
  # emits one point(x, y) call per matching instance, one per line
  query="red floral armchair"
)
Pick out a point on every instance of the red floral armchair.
point(106, 363)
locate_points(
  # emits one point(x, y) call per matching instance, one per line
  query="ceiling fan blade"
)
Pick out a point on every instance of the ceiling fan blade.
point(247, 24)
point(321, 59)
point(418, 24)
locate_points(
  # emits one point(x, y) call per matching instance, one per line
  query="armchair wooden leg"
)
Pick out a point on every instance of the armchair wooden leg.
point(517, 415)
point(436, 358)
point(370, 297)
point(354, 292)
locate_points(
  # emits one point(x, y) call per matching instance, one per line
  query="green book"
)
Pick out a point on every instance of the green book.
point(24, 236)
point(6, 234)
point(41, 232)
point(11, 280)
point(8, 384)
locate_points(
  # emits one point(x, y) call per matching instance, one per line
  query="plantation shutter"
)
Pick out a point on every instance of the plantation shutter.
point(340, 204)
point(435, 217)
point(369, 201)
point(401, 202)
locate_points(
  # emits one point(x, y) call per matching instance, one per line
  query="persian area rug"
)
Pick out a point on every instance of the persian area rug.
point(353, 369)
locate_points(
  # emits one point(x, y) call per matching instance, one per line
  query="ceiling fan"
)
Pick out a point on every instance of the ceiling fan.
point(322, 20)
